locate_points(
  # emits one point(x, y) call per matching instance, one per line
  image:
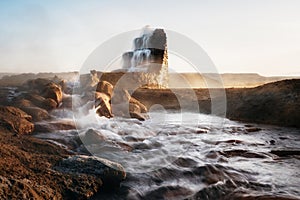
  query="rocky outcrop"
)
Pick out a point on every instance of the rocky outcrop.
point(39, 101)
point(37, 97)
point(148, 62)
point(52, 91)
point(110, 102)
point(275, 103)
point(34, 169)
point(45, 88)
point(15, 120)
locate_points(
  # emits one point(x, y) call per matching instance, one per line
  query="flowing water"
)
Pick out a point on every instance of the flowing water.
point(191, 155)
point(187, 155)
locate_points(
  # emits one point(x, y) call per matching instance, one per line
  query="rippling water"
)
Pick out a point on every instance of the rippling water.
point(193, 156)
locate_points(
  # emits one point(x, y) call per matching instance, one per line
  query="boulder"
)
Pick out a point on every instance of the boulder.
point(109, 172)
point(53, 91)
point(92, 137)
point(39, 101)
point(123, 104)
point(38, 114)
point(21, 103)
point(102, 105)
point(142, 107)
point(137, 116)
point(16, 120)
point(105, 87)
point(46, 88)
point(50, 127)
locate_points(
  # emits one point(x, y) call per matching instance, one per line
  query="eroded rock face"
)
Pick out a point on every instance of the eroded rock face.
point(102, 105)
point(105, 87)
point(109, 172)
point(16, 120)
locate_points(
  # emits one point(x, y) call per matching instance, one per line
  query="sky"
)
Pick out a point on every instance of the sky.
point(240, 36)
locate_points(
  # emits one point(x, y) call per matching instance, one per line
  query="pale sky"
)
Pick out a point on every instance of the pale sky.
point(241, 36)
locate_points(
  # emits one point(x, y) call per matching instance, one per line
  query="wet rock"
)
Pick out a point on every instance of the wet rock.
point(286, 152)
point(141, 106)
point(137, 116)
point(168, 192)
point(92, 137)
point(15, 120)
point(185, 162)
point(105, 87)
point(111, 103)
point(272, 142)
point(109, 172)
point(252, 129)
point(230, 142)
point(242, 153)
point(67, 102)
point(50, 127)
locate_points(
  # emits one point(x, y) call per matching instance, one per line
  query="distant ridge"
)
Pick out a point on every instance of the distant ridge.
point(176, 80)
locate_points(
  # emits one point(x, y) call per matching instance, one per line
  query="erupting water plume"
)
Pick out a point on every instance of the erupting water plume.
point(148, 62)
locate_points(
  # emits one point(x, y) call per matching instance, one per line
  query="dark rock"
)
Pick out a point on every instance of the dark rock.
point(285, 152)
point(242, 153)
point(110, 173)
point(252, 129)
point(15, 120)
point(272, 142)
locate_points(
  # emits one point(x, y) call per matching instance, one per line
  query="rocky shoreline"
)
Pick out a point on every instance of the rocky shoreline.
point(31, 168)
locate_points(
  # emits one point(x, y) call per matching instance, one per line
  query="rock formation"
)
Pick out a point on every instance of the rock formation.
point(15, 120)
point(148, 62)
point(110, 102)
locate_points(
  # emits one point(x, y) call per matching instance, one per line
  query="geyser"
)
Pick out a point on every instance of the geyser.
point(148, 62)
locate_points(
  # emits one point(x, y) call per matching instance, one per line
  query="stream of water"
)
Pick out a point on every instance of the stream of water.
point(191, 155)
